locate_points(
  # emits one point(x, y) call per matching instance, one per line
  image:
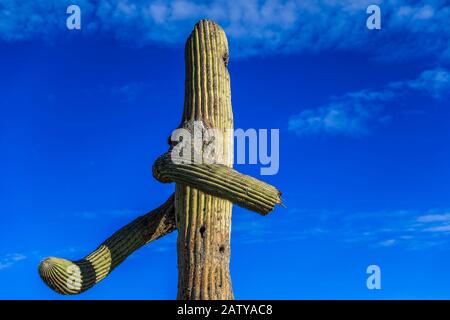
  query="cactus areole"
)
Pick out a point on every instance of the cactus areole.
point(200, 210)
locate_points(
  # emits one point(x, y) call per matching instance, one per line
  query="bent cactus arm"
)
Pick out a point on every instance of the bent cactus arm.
point(220, 181)
point(73, 277)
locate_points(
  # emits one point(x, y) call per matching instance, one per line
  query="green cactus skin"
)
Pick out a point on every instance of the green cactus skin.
point(73, 277)
point(220, 181)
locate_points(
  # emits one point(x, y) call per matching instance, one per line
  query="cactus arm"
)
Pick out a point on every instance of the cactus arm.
point(220, 181)
point(73, 277)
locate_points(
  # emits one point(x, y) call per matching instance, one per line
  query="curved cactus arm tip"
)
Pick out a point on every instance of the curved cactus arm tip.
point(73, 277)
point(61, 275)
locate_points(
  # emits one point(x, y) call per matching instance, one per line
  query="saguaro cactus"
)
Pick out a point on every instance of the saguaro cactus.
point(202, 205)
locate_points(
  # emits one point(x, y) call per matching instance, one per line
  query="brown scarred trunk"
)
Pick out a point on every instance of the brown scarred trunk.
point(204, 221)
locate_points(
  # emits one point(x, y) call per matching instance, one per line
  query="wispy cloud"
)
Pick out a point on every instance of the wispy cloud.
point(128, 92)
point(433, 82)
point(388, 243)
point(11, 259)
point(434, 217)
point(403, 229)
point(408, 229)
point(255, 27)
point(445, 228)
point(436, 223)
point(91, 215)
point(353, 113)
point(248, 228)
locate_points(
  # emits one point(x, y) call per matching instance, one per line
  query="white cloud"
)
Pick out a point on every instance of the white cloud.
point(10, 259)
point(436, 223)
point(354, 112)
point(434, 217)
point(347, 117)
point(433, 82)
point(402, 229)
point(388, 243)
point(445, 228)
point(254, 27)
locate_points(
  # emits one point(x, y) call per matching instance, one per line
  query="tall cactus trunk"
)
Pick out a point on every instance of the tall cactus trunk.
point(203, 220)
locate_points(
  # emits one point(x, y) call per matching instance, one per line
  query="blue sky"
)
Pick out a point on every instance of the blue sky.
point(364, 142)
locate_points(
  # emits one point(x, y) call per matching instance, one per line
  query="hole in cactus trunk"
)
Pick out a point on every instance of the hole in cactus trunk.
point(202, 231)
